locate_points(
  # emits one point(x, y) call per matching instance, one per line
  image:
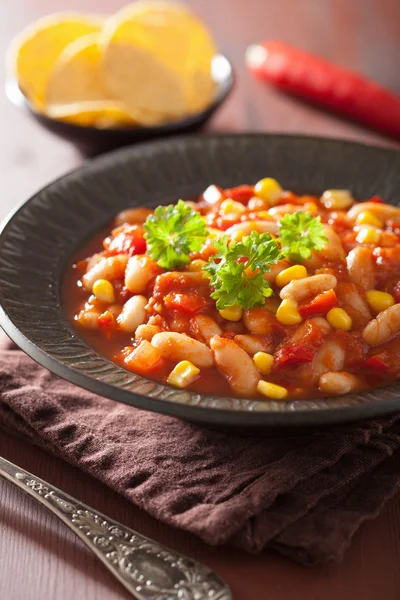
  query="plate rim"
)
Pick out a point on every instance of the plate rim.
point(210, 415)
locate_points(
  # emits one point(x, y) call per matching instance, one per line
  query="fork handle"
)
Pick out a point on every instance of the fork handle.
point(148, 570)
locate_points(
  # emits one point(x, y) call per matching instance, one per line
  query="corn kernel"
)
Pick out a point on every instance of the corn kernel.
point(337, 199)
point(368, 235)
point(104, 291)
point(311, 207)
point(288, 313)
point(197, 265)
point(268, 189)
point(238, 236)
point(183, 374)
point(368, 218)
point(287, 275)
point(379, 301)
point(264, 214)
point(231, 207)
point(272, 390)
point(263, 362)
point(214, 233)
point(231, 313)
point(339, 319)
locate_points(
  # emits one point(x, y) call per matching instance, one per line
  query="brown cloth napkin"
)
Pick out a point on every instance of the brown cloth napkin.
point(302, 495)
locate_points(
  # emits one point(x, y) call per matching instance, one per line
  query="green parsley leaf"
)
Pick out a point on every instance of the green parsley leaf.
point(301, 233)
point(236, 272)
point(172, 232)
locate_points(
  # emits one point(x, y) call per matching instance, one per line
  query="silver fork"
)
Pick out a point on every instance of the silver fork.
point(148, 570)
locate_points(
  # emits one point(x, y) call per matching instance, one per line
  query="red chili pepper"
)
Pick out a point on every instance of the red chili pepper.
point(322, 82)
point(241, 193)
point(320, 305)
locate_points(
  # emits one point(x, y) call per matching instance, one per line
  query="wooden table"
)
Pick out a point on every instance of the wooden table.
point(39, 558)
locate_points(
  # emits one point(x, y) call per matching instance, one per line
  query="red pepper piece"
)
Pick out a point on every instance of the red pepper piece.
point(130, 241)
point(377, 364)
point(241, 193)
point(322, 82)
point(320, 305)
point(376, 199)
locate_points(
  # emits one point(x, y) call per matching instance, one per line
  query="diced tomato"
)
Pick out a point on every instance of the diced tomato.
point(241, 193)
point(377, 363)
point(300, 348)
point(320, 305)
point(376, 199)
point(293, 356)
point(129, 241)
point(107, 319)
point(188, 304)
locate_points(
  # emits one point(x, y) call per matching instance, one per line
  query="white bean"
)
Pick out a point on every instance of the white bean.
point(133, 314)
point(348, 294)
point(298, 289)
point(281, 265)
point(252, 344)
point(204, 328)
point(236, 364)
point(360, 267)
point(322, 323)
point(178, 346)
point(112, 267)
point(140, 271)
point(132, 216)
point(248, 226)
point(383, 327)
point(379, 209)
point(338, 383)
point(259, 320)
point(89, 319)
point(146, 332)
point(333, 250)
point(330, 356)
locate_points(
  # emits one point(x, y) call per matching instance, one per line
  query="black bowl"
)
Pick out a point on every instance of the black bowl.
point(94, 140)
point(38, 240)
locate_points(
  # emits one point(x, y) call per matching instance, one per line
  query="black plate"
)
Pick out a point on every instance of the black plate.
point(38, 240)
point(93, 140)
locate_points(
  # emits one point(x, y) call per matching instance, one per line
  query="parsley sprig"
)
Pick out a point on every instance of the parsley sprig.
point(299, 234)
point(172, 232)
point(237, 270)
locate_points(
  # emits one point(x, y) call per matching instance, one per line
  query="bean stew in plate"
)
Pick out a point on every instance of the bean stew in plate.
point(251, 292)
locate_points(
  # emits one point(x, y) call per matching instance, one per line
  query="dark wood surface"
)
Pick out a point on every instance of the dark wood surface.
point(39, 558)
